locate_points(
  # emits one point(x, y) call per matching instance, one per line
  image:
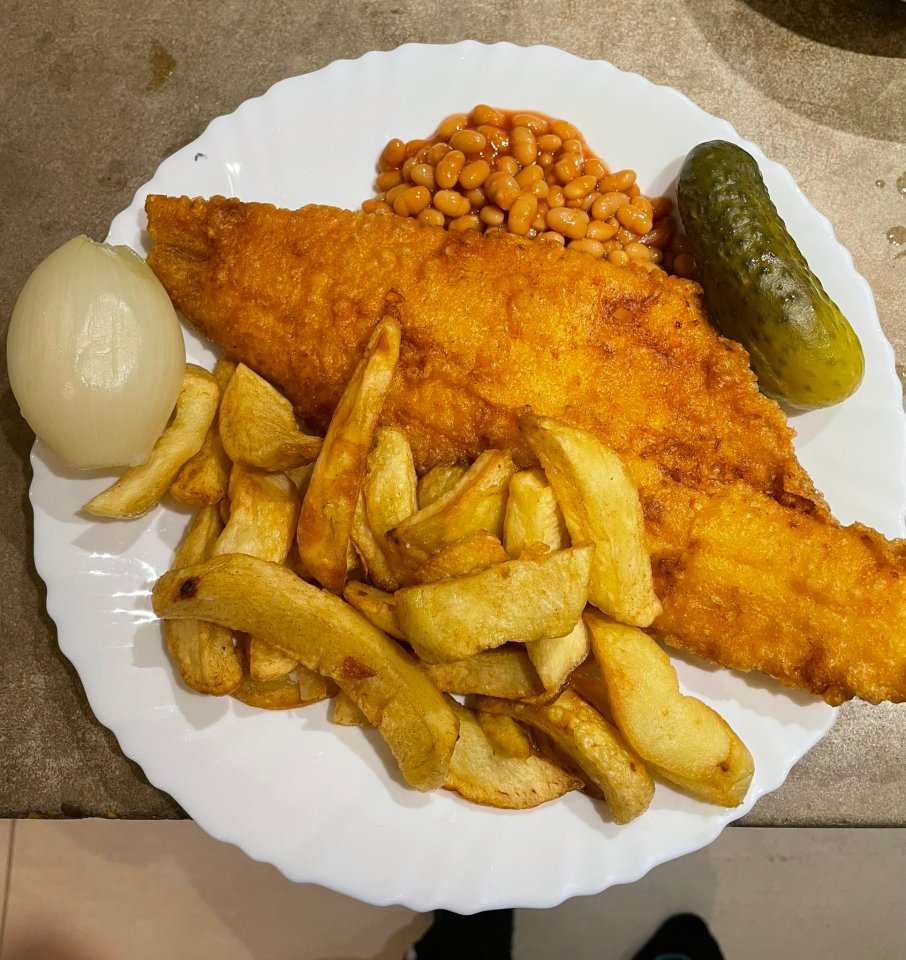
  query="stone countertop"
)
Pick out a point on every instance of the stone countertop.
point(93, 100)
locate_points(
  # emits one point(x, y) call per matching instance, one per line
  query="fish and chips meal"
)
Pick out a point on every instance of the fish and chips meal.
point(474, 452)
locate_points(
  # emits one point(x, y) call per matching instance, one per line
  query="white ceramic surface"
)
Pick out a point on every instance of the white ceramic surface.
point(324, 803)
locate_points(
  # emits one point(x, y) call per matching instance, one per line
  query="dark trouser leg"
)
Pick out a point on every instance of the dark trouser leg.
point(683, 937)
point(482, 936)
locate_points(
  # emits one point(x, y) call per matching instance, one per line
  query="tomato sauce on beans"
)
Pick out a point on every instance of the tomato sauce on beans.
point(521, 172)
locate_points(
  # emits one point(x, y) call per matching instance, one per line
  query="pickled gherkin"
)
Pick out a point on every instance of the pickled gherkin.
point(758, 287)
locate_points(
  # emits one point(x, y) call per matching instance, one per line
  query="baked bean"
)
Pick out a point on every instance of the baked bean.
point(600, 231)
point(498, 138)
point(643, 204)
point(477, 198)
point(637, 251)
point(567, 168)
point(446, 173)
point(528, 175)
point(659, 235)
point(485, 114)
point(538, 125)
point(412, 201)
point(593, 247)
point(431, 217)
point(525, 146)
point(452, 125)
point(580, 187)
point(607, 205)
point(634, 219)
point(451, 203)
point(620, 181)
point(468, 222)
point(508, 165)
point(413, 146)
point(474, 174)
point(565, 130)
point(393, 154)
point(437, 153)
point(680, 244)
point(388, 180)
point(683, 265)
point(571, 223)
point(502, 190)
point(469, 141)
point(661, 207)
point(595, 167)
point(423, 175)
point(522, 173)
point(397, 191)
point(522, 213)
point(375, 205)
point(491, 215)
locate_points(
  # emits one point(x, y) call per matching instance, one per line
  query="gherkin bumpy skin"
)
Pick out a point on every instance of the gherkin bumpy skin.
point(758, 288)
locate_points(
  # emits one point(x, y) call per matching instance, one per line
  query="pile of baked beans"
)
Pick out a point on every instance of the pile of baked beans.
point(524, 173)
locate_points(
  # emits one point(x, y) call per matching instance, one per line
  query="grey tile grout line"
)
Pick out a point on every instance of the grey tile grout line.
point(9, 883)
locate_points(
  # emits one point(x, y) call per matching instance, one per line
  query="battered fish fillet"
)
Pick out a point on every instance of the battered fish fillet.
point(752, 570)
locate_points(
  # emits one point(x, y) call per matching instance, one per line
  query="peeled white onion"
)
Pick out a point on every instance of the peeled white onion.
point(95, 354)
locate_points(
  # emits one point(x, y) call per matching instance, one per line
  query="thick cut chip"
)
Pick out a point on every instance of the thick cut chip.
point(438, 481)
point(267, 662)
point(532, 514)
point(203, 652)
point(328, 510)
point(507, 735)
point(534, 522)
point(377, 606)
point(680, 737)
point(258, 426)
point(345, 712)
point(264, 508)
point(204, 479)
point(601, 505)
point(519, 600)
point(555, 658)
point(476, 502)
point(594, 745)
point(328, 636)
point(469, 555)
point(141, 488)
point(390, 483)
point(279, 694)
point(486, 775)
point(370, 550)
point(505, 672)
point(312, 686)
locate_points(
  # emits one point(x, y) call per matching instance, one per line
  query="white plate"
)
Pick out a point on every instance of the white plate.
point(324, 803)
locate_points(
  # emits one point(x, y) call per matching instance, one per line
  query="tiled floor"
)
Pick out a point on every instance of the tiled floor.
point(101, 890)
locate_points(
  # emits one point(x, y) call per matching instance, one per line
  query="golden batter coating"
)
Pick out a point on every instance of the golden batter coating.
point(494, 326)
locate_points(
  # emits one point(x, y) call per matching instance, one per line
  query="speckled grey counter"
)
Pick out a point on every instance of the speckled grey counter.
point(94, 95)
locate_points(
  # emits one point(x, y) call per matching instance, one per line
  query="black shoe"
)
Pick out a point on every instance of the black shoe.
point(683, 937)
point(482, 936)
